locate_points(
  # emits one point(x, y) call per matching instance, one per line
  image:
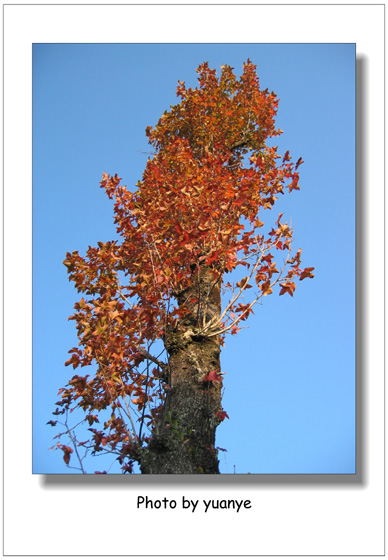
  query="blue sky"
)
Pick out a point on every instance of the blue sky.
point(290, 382)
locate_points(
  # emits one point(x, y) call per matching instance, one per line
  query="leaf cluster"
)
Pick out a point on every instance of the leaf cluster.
point(200, 204)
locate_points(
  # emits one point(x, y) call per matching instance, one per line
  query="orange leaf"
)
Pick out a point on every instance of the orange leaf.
point(66, 453)
point(307, 273)
point(287, 288)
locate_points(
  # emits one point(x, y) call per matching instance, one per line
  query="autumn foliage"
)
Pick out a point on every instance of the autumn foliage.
point(202, 206)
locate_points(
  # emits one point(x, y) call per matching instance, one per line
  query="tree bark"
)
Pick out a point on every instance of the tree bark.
point(183, 441)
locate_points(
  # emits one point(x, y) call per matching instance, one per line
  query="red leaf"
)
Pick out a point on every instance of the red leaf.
point(294, 186)
point(213, 376)
point(298, 163)
point(258, 223)
point(66, 453)
point(287, 156)
point(287, 288)
point(278, 220)
point(221, 414)
point(307, 273)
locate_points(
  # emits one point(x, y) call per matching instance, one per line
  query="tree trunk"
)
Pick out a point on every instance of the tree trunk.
point(183, 441)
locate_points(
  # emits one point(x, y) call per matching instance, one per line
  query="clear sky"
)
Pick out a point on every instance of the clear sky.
point(290, 381)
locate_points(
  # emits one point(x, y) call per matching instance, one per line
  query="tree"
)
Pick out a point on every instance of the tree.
point(165, 288)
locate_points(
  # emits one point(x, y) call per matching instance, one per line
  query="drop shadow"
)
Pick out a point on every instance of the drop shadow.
point(359, 479)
